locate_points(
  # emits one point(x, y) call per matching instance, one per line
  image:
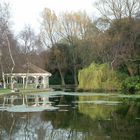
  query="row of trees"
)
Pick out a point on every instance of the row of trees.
point(76, 41)
point(72, 41)
point(69, 41)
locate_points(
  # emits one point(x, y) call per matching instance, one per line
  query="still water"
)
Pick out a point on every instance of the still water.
point(69, 116)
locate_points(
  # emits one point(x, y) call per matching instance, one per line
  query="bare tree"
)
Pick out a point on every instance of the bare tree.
point(122, 32)
point(4, 34)
point(11, 55)
point(27, 40)
point(49, 28)
point(74, 28)
point(118, 9)
point(50, 37)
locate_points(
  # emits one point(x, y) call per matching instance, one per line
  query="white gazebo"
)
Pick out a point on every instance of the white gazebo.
point(28, 75)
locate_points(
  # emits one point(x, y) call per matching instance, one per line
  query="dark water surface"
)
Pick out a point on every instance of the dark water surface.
point(69, 116)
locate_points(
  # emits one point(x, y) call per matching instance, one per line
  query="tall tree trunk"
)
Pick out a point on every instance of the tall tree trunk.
point(61, 75)
point(27, 74)
point(74, 65)
point(75, 75)
point(11, 56)
point(3, 77)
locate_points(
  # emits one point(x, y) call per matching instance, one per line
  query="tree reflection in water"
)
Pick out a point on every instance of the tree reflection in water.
point(87, 122)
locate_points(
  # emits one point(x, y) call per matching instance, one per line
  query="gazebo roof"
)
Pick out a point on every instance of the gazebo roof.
point(29, 68)
point(33, 69)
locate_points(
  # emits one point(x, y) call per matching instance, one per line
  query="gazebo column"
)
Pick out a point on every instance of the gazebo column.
point(45, 82)
point(7, 80)
point(36, 80)
point(3, 77)
point(12, 84)
point(23, 80)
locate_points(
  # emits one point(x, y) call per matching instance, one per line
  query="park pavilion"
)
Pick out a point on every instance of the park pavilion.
point(27, 76)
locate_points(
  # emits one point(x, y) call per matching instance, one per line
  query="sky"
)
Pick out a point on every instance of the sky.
point(27, 12)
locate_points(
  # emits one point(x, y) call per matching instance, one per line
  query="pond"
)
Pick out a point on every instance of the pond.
point(69, 116)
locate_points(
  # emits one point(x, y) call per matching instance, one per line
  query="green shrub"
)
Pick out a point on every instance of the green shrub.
point(131, 84)
point(99, 77)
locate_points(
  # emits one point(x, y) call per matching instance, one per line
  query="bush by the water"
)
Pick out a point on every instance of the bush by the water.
point(131, 85)
point(99, 77)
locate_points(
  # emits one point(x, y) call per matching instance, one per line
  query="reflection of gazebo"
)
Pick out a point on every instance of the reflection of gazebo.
point(28, 75)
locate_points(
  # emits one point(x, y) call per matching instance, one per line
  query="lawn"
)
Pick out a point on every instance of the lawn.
point(25, 91)
point(4, 91)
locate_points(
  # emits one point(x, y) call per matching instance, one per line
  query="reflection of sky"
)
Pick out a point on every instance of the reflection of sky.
point(35, 129)
point(90, 120)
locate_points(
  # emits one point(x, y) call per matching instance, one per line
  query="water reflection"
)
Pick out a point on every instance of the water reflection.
point(75, 119)
point(26, 103)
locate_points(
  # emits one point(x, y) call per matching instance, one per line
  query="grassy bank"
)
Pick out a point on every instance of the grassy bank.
point(4, 91)
point(23, 91)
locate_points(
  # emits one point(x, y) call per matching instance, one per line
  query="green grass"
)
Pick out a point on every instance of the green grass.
point(4, 91)
point(33, 90)
point(25, 91)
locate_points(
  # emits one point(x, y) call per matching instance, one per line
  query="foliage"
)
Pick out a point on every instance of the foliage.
point(55, 79)
point(69, 79)
point(131, 84)
point(99, 77)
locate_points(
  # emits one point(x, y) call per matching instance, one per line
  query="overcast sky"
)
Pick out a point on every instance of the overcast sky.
point(28, 11)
